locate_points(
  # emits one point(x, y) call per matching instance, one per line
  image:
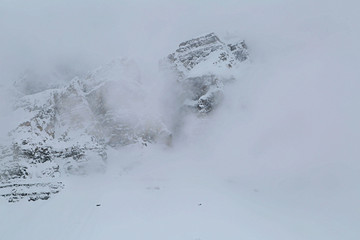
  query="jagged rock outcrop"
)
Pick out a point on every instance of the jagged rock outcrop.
point(202, 65)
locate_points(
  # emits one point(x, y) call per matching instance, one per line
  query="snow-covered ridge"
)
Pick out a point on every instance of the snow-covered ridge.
point(67, 130)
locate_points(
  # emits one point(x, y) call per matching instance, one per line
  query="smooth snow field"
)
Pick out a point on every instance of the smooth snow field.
point(279, 159)
point(181, 196)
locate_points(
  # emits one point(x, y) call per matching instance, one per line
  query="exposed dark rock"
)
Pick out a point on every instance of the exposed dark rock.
point(30, 191)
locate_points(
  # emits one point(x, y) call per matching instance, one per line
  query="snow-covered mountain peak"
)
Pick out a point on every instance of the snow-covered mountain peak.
point(202, 66)
point(67, 130)
point(207, 53)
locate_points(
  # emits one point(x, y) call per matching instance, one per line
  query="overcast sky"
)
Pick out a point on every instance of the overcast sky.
point(40, 34)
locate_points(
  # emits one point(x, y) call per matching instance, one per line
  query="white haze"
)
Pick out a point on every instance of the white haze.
point(279, 158)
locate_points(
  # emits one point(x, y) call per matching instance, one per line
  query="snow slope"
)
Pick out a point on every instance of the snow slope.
point(176, 195)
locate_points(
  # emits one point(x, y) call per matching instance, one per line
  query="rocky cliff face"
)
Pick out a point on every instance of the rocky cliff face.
point(202, 65)
point(67, 130)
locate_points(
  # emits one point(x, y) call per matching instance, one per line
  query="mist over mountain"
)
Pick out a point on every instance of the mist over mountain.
point(179, 119)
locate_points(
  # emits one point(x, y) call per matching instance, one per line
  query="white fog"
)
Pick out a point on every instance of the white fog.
point(103, 135)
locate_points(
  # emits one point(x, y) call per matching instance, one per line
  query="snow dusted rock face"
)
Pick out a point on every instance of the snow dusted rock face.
point(66, 131)
point(202, 67)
